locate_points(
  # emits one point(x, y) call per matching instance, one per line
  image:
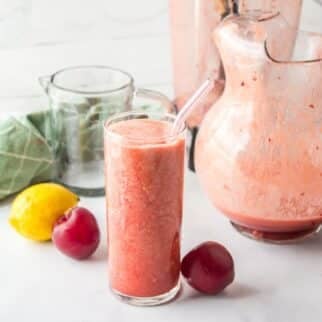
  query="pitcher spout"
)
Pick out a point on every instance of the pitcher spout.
point(45, 81)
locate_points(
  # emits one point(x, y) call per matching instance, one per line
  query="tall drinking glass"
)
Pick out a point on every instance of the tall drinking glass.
point(144, 167)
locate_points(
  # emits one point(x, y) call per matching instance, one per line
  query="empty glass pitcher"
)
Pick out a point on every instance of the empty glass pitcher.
point(81, 98)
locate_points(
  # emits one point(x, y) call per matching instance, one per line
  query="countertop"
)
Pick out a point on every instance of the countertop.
point(273, 283)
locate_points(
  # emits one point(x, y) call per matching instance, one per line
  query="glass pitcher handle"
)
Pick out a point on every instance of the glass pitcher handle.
point(147, 97)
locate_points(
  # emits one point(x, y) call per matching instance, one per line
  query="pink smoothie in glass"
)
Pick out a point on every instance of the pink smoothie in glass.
point(144, 187)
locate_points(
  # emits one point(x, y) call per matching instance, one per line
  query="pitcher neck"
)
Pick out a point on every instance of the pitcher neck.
point(257, 8)
point(244, 86)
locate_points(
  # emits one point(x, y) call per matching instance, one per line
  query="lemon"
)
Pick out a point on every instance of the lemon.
point(36, 209)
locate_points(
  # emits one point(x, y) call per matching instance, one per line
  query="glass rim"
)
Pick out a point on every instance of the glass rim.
point(291, 62)
point(265, 14)
point(295, 61)
point(130, 81)
point(162, 139)
point(268, 55)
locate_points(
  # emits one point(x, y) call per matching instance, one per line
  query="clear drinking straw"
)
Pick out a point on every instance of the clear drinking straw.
point(191, 104)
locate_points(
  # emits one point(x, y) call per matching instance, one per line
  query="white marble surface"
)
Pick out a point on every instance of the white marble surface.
point(273, 283)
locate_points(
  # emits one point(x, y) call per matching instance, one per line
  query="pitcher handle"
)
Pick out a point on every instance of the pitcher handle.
point(152, 96)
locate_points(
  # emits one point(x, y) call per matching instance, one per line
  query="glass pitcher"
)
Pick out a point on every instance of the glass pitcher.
point(259, 149)
point(81, 98)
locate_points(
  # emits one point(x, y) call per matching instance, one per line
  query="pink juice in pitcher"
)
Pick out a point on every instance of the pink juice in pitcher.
point(258, 151)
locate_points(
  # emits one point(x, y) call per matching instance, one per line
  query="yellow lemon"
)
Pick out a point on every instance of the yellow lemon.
point(36, 209)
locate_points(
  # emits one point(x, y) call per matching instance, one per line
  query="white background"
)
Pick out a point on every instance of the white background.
point(37, 37)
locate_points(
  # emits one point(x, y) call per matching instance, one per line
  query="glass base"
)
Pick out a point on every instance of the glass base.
point(276, 237)
point(149, 301)
point(84, 178)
